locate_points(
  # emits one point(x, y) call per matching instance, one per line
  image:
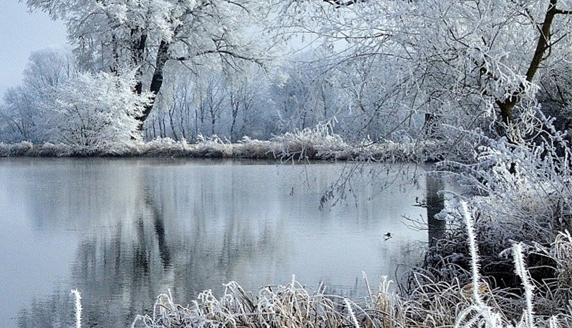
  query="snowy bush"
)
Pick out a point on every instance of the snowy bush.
point(18, 149)
point(521, 195)
point(96, 110)
point(309, 143)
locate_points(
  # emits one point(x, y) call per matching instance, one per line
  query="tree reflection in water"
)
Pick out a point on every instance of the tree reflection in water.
point(435, 204)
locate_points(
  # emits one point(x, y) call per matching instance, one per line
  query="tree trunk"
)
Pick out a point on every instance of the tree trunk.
point(435, 185)
point(172, 123)
point(507, 127)
point(139, 45)
point(156, 81)
point(234, 106)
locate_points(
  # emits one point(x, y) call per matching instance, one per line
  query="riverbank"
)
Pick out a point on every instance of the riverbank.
point(252, 149)
point(287, 147)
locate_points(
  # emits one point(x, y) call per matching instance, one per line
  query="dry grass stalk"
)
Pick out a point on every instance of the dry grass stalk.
point(291, 305)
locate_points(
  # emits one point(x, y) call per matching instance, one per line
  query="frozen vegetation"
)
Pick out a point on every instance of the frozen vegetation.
point(319, 143)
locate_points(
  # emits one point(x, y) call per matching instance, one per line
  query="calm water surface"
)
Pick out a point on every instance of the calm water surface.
point(124, 231)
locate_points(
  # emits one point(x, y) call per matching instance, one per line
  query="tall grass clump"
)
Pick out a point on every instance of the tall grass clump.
point(477, 314)
point(467, 298)
point(290, 305)
point(319, 142)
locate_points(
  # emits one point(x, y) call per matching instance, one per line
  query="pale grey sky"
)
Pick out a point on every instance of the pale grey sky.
point(21, 33)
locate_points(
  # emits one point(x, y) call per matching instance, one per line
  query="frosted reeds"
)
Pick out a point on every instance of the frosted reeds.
point(78, 307)
point(290, 305)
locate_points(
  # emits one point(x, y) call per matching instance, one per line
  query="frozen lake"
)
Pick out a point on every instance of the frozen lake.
point(123, 231)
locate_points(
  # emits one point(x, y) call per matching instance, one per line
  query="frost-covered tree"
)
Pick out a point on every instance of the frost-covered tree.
point(22, 113)
point(555, 96)
point(207, 103)
point(57, 103)
point(19, 116)
point(242, 100)
point(148, 36)
point(367, 89)
point(95, 110)
point(473, 63)
point(303, 95)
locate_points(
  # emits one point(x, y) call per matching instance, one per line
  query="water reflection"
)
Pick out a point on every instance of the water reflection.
point(435, 183)
point(137, 228)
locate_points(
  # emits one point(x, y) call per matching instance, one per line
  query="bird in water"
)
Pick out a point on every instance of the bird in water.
point(387, 235)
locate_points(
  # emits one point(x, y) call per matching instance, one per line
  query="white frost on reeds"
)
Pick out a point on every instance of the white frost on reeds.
point(289, 306)
point(478, 314)
point(78, 307)
point(522, 272)
point(476, 276)
point(319, 143)
point(351, 312)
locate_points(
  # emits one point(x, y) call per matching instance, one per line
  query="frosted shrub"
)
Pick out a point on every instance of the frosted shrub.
point(522, 194)
point(527, 190)
point(54, 150)
point(213, 146)
point(18, 149)
point(165, 147)
point(4, 150)
point(253, 148)
point(96, 110)
point(319, 142)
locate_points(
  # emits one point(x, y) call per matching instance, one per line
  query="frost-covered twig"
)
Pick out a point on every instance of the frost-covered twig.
point(78, 307)
point(476, 276)
point(523, 273)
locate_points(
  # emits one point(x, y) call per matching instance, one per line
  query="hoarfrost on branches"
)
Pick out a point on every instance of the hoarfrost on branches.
point(95, 110)
point(122, 36)
point(470, 63)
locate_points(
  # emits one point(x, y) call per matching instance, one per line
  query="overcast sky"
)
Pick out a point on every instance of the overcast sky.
point(21, 33)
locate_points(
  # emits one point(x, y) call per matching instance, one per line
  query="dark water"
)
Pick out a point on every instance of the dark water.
point(124, 231)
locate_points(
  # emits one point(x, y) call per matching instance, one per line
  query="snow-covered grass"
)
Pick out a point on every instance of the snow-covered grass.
point(319, 142)
point(290, 305)
point(307, 144)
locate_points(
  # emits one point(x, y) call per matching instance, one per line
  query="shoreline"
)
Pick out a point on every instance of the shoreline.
point(292, 150)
